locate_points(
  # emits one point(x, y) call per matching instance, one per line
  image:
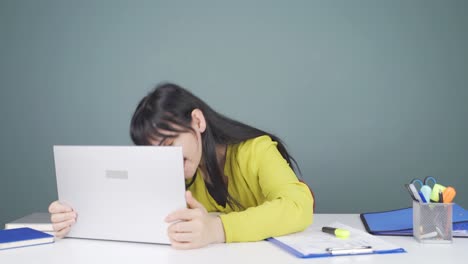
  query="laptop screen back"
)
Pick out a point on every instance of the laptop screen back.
point(121, 192)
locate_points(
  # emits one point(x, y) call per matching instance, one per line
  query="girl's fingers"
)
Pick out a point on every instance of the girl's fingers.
point(62, 217)
point(61, 225)
point(181, 237)
point(57, 207)
point(62, 233)
point(180, 227)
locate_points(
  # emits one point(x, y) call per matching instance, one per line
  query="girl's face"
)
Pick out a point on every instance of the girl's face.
point(191, 149)
point(190, 142)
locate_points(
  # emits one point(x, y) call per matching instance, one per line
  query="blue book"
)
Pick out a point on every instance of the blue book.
point(399, 222)
point(22, 237)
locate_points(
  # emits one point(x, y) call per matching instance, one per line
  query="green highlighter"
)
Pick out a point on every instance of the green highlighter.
point(338, 232)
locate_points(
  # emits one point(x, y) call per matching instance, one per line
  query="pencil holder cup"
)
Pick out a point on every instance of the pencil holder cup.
point(432, 222)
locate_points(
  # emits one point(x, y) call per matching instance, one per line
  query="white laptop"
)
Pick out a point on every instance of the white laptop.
point(121, 192)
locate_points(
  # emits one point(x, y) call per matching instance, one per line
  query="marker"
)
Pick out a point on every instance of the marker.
point(338, 232)
point(448, 194)
point(350, 251)
point(426, 192)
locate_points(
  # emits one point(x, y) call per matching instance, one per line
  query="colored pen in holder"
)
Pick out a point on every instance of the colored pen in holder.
point(436, 191)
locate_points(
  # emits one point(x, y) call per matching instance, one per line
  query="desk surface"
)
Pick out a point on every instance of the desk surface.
point(93, 251)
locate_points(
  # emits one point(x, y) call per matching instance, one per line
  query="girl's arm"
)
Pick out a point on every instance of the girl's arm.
point(288, 204)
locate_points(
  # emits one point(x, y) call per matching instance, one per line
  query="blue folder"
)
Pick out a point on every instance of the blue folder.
point(313, 243)
point(298, 254)
point(399, 222)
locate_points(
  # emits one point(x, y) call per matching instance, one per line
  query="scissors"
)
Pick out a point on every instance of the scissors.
point(425, 189)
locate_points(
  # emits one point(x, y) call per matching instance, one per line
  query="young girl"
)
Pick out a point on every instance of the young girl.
point(240, 180)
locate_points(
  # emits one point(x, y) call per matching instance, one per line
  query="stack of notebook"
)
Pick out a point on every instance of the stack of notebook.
point(39, 221)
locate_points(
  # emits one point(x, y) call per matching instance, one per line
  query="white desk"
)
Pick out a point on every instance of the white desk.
point(93, 251)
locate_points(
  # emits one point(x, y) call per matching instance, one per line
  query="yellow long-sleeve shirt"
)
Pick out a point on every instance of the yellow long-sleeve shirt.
point(275, 202)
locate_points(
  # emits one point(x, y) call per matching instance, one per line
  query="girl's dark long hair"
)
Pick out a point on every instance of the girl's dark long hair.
point(169, 107)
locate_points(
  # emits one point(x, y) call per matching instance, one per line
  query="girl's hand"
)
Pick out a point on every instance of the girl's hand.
point(62, 217)
point(195, 227)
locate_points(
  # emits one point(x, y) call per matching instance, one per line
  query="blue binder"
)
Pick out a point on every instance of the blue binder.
point(399, 222)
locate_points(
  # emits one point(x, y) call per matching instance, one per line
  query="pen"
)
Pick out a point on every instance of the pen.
point(349, 251)
point(338, 232)
point(429, 235)
point(411, 192)
point(423, 199)
point(415, 192)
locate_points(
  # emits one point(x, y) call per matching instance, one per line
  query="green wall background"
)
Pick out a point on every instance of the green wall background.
point(366, 94)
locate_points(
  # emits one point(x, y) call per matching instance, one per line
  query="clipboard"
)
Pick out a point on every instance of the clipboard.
point(313, 243)
point(399, 222)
